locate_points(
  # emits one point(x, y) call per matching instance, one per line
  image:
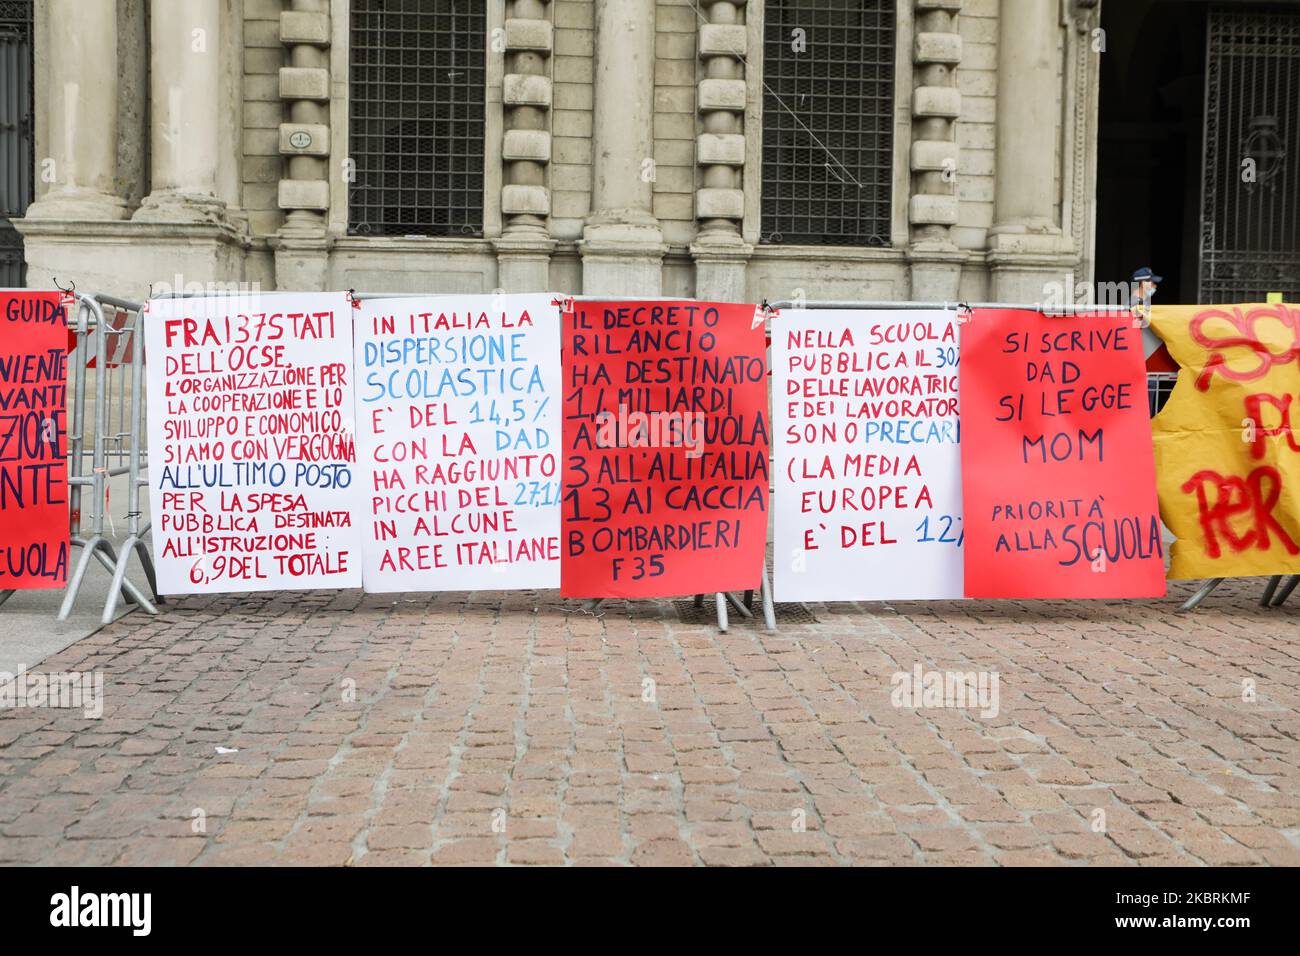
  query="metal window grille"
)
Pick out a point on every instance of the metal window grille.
point(1160, 385)
point(417, 83)
point(1250, 214)
point(828, 107)
point(15, 133)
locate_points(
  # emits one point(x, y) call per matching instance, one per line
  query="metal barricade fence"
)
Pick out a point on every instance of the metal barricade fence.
point(961, 308)
point(112, 329)
point(1160, 385)
point(722, 600)
point(106, 440)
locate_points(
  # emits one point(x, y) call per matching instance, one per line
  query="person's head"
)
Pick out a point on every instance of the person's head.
point(1145, 282)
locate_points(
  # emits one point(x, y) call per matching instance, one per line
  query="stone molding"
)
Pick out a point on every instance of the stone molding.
point(305, 142)
point(721, 99)
point(936, 106)
point(526, 145)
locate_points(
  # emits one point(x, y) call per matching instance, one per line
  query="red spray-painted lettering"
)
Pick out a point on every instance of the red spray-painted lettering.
point(1224, 498)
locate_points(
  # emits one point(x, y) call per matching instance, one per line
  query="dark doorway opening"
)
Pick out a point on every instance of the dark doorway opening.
point(1149, 142)
point(1198, 153)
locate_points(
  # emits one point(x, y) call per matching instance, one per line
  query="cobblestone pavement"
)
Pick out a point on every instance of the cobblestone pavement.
point(519, 729)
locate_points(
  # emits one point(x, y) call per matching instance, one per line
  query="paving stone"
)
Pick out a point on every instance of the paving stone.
point(507, 728)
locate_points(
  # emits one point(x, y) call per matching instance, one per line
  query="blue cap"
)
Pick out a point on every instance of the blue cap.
point(1146, 275)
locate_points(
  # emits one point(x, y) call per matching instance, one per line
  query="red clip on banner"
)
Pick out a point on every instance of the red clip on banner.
point(33, 462)
point(666, 443)
point(1057, 465)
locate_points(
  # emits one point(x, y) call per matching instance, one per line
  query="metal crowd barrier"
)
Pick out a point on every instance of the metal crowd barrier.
point(106, 368)
point(109, 342)
point(767, 602)
point(1159, 387)
point(721, 600)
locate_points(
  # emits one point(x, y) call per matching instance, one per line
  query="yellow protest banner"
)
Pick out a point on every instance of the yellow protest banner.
point(1227, 458)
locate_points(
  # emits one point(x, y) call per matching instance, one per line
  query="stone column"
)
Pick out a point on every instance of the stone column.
point(185, 102)
point(302, 244)
point(1028, 111)
point(1026, 248)
point(83, 107)
point(720, 252)
point(622, 246)
point(1084, 84)
point(524, 248)
point(936, 105)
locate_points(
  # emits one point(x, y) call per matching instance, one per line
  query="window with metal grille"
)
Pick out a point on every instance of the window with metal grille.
point(1250, 224)
point(416, 104)
point(15, 133)
point(828, 105)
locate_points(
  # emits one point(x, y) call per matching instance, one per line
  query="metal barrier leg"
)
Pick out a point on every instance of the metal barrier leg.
point(722, 611)
point(1287, 588)
point(120, 583)
point(769, 608)
point(738, 605)
point(109, 559)
point(115, 589)
point(88, 550)
point(105, 553)
point(1193, 602)
point(146, 564)
point(1266, 599)
point(98, 549)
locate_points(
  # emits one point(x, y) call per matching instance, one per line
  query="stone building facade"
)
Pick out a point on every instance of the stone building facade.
point(626, 147)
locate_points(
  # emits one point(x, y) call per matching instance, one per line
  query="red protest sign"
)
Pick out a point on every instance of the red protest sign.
point(666, 439)
point(1059, 486)
point(33, 467)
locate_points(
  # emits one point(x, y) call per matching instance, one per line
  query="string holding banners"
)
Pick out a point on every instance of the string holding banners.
point(252, 455)
point(34, 529)
point(665, 438)
point(1057, 468)
point(868, 455)
point(458, 411)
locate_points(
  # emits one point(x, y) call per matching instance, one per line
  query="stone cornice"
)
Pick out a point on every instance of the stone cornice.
point(419, 245)
point(831, 253)
point(77, 231)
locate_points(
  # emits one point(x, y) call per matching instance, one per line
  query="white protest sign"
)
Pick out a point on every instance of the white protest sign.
point(252, 479)
point(458, 415)
point(868, 456)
